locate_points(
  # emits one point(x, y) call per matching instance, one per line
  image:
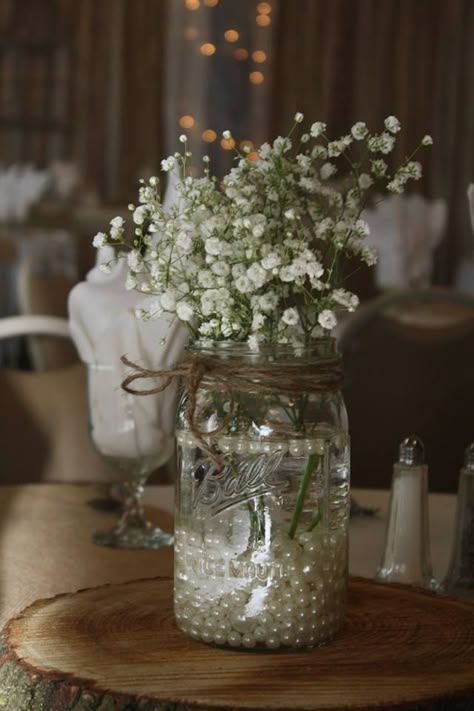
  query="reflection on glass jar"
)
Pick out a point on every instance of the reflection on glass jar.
point(261, 527)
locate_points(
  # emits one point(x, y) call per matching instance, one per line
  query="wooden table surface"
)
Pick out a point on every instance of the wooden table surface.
point(46, 549)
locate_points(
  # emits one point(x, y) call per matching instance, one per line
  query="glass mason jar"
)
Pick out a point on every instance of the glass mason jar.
point(261, 536)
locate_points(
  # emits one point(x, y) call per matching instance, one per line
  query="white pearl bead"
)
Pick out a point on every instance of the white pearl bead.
point(287, 638)
point(272, 642)
point(239, 597)
point(265, 619)
point(234, 639)
point(254, 447)
point(248, 641)
point(241, 446)
point(220, 637)
point(241, 622)
point(311, 445)
point(207, 636)
point(259, 633)
point(225, 444)
point(296, 448)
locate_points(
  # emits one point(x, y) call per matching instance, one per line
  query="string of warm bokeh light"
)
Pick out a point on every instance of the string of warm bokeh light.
point(208, 49)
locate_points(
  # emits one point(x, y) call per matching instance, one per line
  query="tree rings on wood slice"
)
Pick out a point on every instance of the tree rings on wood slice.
point(117, 647)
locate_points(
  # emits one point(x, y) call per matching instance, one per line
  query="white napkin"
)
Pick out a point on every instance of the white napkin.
point(405, 230)
point(21, 186)
point(464, 277)
point(104, 327)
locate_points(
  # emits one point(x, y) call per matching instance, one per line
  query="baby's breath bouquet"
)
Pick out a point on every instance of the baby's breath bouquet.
point(253, 265)
point(257, 257)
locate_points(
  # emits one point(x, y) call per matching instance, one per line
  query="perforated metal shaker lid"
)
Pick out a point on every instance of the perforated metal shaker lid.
point(411, 451)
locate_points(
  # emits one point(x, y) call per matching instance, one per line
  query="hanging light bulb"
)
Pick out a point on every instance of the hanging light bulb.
point(208, 49)
point(256, 77)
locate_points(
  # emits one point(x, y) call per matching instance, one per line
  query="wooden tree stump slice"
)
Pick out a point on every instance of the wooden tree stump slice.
point(117, 647)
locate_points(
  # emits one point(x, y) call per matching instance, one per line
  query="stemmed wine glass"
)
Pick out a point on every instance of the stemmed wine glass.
point(125, 430)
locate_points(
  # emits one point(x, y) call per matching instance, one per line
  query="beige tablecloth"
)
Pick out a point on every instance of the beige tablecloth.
point(45, 546)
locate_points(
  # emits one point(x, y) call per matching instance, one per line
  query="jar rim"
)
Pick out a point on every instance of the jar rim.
point(323, 347)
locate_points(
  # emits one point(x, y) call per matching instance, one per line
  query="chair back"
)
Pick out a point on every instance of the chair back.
point(43, 416)
point(408, 359)
point(45, 276)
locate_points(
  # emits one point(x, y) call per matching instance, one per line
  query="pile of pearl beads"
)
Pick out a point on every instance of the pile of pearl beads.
point(303, 608)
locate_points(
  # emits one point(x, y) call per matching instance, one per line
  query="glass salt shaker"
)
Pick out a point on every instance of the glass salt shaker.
point(406, 557)
point(459, 580)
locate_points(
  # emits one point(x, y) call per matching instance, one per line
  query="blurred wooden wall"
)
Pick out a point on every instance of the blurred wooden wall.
point(82, 80)
point(346, 60)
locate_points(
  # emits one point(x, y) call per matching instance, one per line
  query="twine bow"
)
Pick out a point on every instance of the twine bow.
point(231, 375)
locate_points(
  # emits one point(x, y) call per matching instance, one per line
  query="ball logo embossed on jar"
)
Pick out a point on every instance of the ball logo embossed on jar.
point(254, 476)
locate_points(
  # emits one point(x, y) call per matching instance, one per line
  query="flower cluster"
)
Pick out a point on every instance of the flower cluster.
point(257, 256)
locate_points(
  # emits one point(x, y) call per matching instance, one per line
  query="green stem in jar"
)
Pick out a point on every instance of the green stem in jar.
point(309, 469)
point(314, 521)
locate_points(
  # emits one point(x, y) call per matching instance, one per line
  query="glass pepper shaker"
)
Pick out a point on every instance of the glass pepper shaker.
point(406, 557)
point(459, 580)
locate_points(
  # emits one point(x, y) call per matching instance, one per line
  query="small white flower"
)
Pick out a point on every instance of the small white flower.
point(258, 321)
point(361, 228)
point(290, 317)
point(213, 246)
point(365, 181)
point(299, 117)
point(131, 282)
point(327, 320)
point(305, 138)
point(134, 259)
point(222, 269)
point(395, 186)
point(184, 311)
point(378, 167)
point(335, 148)
point(257, 275)
point(413, 170)
point(319, 152)
point(314, 270)
point(327, 170)
point(168, 164)
point(383, 143)
point(345, 298)
point(359, 130)
point(427, 140)
point(226, 135)
point(183, 138)
point(184, 242)
point(271, 261)
point(290, 214)
point(287, 274)
point(168, 301)
point(392, 124)
point(243, 284)
point(369, 255)
point(317, 129)
point(117, 222)
point(140, 214)
point(281, 144)
point(100, 240)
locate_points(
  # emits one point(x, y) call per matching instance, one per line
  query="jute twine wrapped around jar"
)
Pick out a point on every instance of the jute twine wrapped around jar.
point(231, 376)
